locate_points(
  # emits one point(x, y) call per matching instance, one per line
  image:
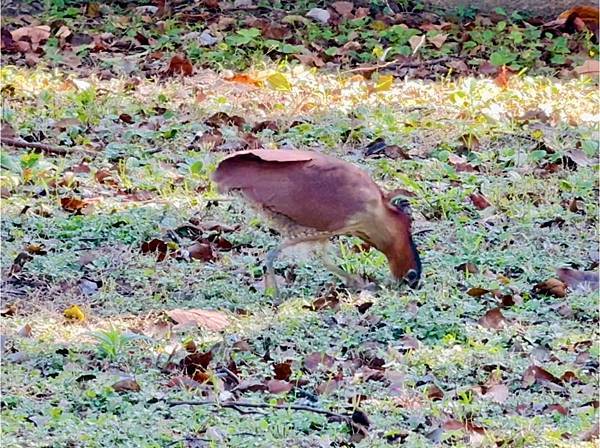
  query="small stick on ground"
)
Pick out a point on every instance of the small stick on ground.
point(42, 147)
point(244, 404)
point(399, 64)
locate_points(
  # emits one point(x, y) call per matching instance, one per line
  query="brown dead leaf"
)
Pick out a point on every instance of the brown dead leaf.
point(329, 300)
point(180, 65)
point(126, 385)
point(9, 310)
point(416, 42)
point(92, 10)
point(536, 374)
point(344, 9)
point(242, 78)
point(328, 386)
point(73, 205)
point(460, 164)
point(438, 40)
point(314, 360)
point(479, 201)
point(212, 320)
point(36, 35)
point(477, 292)
point(553, 287)
point(577, 19)
point(493, 319)
point(183, 382)
point(591, 434)
point(279, 386)
point(201, 251)
point(497, 393)
point(579, 280)
point(156, 246)
point(591, 68)
point(283, 370)
point(311, 60)
point(25, 331)
point(557, 408)
point(502, 77)
point(434, 393)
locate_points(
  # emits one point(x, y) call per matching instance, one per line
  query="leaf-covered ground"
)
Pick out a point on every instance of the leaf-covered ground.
point(107, 248)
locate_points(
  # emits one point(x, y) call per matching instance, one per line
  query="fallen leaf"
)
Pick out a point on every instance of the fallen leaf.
point(579, 280)
point(536, 374)
point(502, 77)
point(479, 201)
point(383, 83)
point(460, 164)
point(278, 81)
point(314, 360)
point(579, 158)
point(310, 60)
point(9, 310)
point(201, 251)
point(74, 313)
point(344, 9)
point(591, 434)
point(497, 393)
point(477, 292)
point(590, 67)
point(438, 40)
point(319, 14)
point(553, 287)
point(327, 387)
point(180, 65)
point(73, 205)
point(35, 34)
point(557, 408)
point(577, 19)
point(156, 246)
point(182, 382)
point(126, 385)
point(242, 78)
point(212, 320)
point(434, 393)
point(25, 331)
point(416, 42)
point(283, 371)
point(493, 319)
point(92, 10)
point(278, 386)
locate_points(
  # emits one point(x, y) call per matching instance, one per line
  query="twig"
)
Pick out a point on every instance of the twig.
point(43, 147)
point(244, 404)
point(399, 64)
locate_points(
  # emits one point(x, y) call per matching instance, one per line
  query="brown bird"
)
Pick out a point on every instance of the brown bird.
point(309, 196)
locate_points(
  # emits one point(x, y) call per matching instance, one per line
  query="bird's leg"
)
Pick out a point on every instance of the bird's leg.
point(271, 289)
point(352, 281)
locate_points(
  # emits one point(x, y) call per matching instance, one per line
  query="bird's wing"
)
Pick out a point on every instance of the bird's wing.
point(311, 189)
point(268, 155)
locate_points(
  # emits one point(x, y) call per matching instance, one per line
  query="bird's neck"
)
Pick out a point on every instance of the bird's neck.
point(393, 239)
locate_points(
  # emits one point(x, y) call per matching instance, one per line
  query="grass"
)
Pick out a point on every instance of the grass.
point(57, 382)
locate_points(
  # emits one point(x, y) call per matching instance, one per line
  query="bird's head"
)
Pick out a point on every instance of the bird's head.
point(402, 253)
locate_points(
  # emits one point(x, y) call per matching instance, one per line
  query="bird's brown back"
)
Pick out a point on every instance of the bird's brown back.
point(311, 189)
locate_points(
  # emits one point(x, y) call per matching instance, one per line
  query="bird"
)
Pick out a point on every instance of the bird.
point(308, 196)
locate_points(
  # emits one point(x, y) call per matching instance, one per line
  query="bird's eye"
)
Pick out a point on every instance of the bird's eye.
point(401, 204)
point(412, 278)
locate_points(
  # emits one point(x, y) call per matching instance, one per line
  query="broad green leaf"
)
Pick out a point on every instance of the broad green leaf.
point(196, 167)
point(9, 163)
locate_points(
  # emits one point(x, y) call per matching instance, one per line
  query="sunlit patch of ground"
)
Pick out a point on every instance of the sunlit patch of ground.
point(529, 148)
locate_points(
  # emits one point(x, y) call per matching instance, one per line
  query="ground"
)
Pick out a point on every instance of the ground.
point(106, 248)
